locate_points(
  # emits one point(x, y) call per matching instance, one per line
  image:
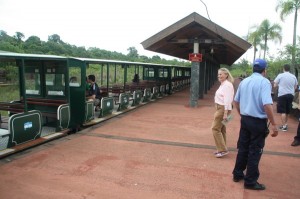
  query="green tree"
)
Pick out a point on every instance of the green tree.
point(8, 43)
point(33, 45)
point(156, 59)
point(4, 36)
point(269, 31)
point(54, 48)
point(286, 8)
point(132, 53)
point(54, 38)
point(19, 36)
point(286, 54)
point(254, 38)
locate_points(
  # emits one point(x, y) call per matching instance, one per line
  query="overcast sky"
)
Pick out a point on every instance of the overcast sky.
point(116, 25)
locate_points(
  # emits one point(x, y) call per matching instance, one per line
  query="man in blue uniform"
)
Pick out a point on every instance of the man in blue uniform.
point(254, 104)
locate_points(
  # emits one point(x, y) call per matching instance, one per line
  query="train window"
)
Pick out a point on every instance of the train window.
point(9, 84)
point(163, 72)
point(187, 73)
point(54, 84)
point(179, 73)
point(75, 77)
point(32, 81)
point(166, 73)
point(149, 72)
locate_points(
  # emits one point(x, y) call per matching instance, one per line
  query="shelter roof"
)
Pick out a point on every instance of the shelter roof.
point(177, 40)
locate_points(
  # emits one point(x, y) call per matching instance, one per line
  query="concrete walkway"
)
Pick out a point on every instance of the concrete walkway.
point(161, 150)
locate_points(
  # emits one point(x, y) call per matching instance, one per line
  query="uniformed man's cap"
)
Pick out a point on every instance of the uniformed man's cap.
point(260, 64)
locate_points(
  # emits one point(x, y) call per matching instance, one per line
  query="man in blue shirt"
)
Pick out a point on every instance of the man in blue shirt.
point(94, 92)
point(254, 104)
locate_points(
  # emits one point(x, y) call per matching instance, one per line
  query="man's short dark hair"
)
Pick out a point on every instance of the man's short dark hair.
point(258, 70)
point(92, 78)
point(286, 67)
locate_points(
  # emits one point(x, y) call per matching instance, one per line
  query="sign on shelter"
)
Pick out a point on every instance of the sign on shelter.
point(195, 57)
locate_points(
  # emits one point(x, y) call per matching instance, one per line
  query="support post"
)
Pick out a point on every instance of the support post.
point(194, 88)
point(201, 78)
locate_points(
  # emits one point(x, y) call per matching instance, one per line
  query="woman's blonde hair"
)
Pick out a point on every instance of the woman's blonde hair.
point(229, 76)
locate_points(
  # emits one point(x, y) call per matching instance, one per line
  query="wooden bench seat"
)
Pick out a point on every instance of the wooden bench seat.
point(46, 102)
point(16, 107)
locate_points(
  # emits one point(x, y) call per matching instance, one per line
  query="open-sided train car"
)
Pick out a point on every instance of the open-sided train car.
point(36, 100)
point(50, 103)
point(120, 93)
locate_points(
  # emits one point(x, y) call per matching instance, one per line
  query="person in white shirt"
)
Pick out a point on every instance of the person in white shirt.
point(223, 104)
point(287, 84)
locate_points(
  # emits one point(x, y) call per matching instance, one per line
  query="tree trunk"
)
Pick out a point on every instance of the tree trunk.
point(265, 50)
point(294, 44)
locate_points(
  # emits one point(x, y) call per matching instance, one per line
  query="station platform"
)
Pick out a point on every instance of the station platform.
point(163, 150)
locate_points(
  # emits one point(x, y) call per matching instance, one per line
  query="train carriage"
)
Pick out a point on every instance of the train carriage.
point(48, 94)
point(41, 111)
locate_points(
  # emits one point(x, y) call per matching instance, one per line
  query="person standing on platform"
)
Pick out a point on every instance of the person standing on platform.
point(287, 84)
point(223, 103)
point(296, 141)
point(255, 106)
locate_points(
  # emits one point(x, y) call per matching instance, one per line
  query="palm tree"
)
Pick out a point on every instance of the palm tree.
point(287, 7)
point(269, 32)
point(255, 39)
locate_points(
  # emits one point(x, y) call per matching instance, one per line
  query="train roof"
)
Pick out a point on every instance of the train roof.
point(11, 56)
point(102, 61)
point(178, 39)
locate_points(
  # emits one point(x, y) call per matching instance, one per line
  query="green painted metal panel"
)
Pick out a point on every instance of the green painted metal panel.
point(123, 101)
point(63, 117)
point(147, 95)
point(137, 97)
point(24, 127)
point(162, 90)
point(77, 94)
point(167, 89)
point(154, 92)
point(89, 111)
point(107, 106)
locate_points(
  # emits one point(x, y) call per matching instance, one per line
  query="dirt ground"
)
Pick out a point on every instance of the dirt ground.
point(161, 150)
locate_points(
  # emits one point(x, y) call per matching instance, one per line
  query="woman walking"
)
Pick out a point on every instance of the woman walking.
point(223, 104)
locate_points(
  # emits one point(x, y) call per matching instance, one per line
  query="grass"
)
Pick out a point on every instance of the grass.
point(9, 92)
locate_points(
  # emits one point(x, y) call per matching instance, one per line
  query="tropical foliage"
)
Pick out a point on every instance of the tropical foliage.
point(286, 8)
point(260, 36)
point(56, 46)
